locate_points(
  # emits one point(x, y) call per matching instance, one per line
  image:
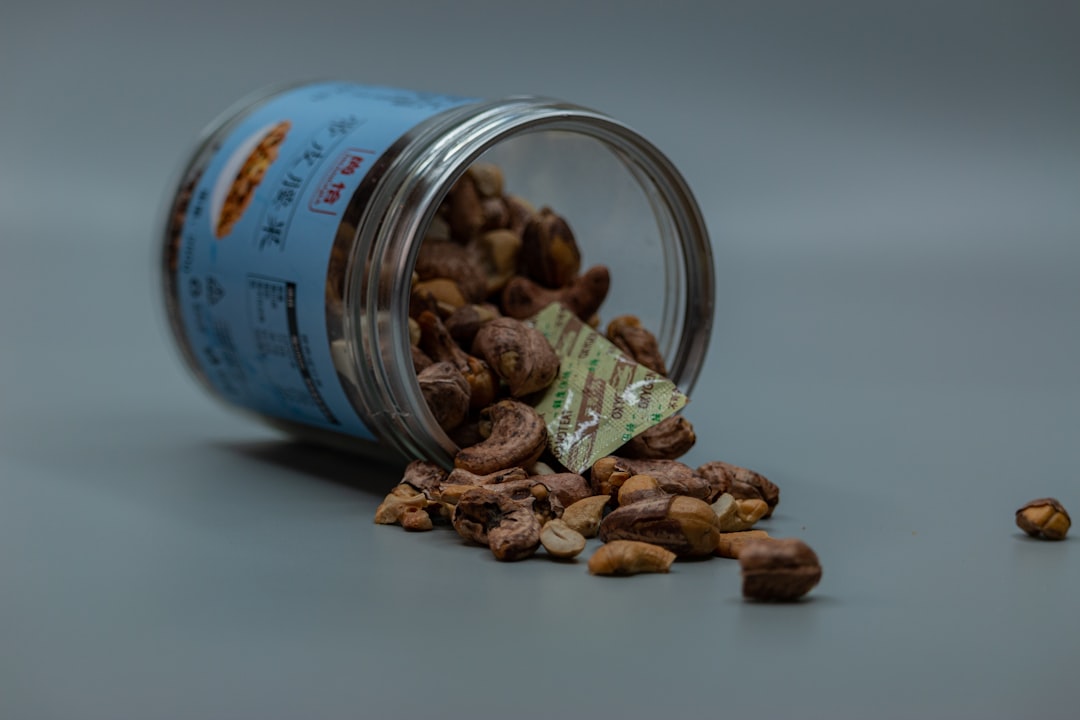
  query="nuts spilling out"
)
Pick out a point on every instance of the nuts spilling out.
point(489, 262)
point(1045, 519)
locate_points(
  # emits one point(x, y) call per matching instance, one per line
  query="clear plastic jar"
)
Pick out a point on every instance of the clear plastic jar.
point(293, 231)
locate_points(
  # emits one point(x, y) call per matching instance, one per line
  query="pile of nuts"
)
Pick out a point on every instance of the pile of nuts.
point(489, 262)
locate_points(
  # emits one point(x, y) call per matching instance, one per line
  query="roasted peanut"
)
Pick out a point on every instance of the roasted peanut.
point(630, 557)
point(560, 540)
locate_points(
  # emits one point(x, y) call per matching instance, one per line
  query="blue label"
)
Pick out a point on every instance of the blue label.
point(257, 239)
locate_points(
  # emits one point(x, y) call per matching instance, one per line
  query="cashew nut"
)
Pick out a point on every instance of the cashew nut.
point(522, 298)
point(630, 557)
point(518, 437)
point(520, 355)
point(666, 440)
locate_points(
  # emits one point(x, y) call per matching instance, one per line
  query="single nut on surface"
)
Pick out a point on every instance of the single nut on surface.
point(446, 392)
point(520, 355)
point(740, 482)
point(639, 487)
point(735, 515)
point(630, 557)
point(778, 570)
point(685, 525)
point(416, 519)
point(560, 540)
point(666, 440)
point(585, 515)
point(507, 527)
point(1044, 518)
point(517, 439)
point(549, 252)
point(522, 298)
point(627, 334)
point(731, 544)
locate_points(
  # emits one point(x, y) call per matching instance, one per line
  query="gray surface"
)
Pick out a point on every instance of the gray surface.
point(893, 196)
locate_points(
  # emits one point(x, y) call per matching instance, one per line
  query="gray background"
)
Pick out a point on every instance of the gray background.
point(892, 192)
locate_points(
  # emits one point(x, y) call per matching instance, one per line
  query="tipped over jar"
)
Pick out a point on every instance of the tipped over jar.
point(292, 242)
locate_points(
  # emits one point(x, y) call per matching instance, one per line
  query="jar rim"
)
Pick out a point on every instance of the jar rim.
point(402, 205)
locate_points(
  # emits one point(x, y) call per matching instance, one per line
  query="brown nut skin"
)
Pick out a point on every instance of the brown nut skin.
point(488, 179)
point(425, 476)
point(466, 321)
point(549, 252)
point(437, 343)
point(674, 477)
point(522, 298)
point(520, 355)
point(460, 476)
point(560, 540)
point(446, 392)
point(420, 360)
point(465, 213)
point(1044, 518)
point(778, 570)
point(447, 259)
point(627, 334)
point(630, 557)
point(684, 525)
point(742, 483)
point(518, 438)
point(639, 487)
point(670, 438)
point(507, 527)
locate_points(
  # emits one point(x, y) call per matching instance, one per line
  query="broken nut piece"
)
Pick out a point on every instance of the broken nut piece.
point(731, 544)
point(585, 515)
point(735, 515)
point(1044, 518)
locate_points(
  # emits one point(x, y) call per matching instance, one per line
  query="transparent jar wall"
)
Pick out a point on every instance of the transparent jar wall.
point(616, 221)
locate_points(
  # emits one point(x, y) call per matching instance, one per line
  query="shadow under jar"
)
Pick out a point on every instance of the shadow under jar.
point(292, 235)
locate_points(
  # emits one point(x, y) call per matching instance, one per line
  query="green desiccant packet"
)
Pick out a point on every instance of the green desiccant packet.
point(601, 397)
